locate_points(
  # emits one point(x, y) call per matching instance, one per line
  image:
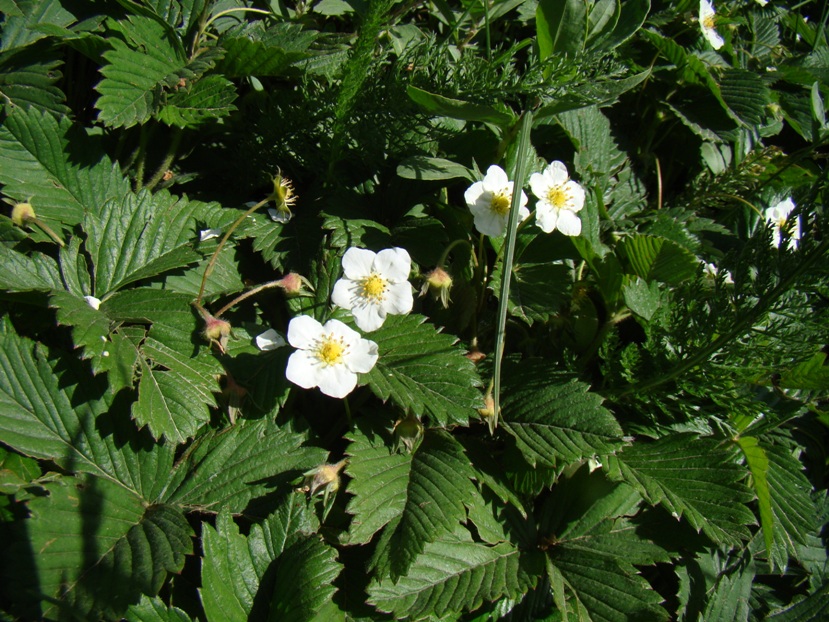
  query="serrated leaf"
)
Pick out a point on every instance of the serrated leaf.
point(658, 259)
point(695, 478)
point(23, 274)
point(135, 72)
point(20, 27)
point(141, 236)
point(431, 169)
point(537, 290)
point(27, 80)
point(100, 546)
point(641, 297)
point(154, 610)
point(435, 491)
point(57, 412)
point(554, 418)
point(250, 51)
point(814, 607)
point(746, 95)
point(209, 98)
point(598, 154)
point(423, 371)
point(810, 374)
point(34, 166)
point(457, 109)
point(561, 26)
point(730, 596)
point(454, 575)
point(90, 327)
point(378, 484)
point(227, 469)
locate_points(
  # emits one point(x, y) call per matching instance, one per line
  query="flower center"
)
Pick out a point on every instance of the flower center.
point(557, 197)
point(781, 222)
point(500, 204)
point(330, 350)
point(374, 286)
point(708, 22)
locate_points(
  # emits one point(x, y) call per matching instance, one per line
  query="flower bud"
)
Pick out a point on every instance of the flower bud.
point(291, 284)
point(22, 213)
point(488, 411)
point(215, 330)
point(438, 282)
point(324, 478)
point(408, 431)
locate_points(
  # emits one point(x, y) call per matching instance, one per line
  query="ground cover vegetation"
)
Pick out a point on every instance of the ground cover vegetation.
point(451, 310)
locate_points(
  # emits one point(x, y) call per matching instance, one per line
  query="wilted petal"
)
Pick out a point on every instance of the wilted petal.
point(209, 234)
point(92, 301)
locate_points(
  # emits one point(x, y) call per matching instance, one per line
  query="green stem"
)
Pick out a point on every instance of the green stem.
point(449, 248)
point(143, 139)
point(246, 295)
point(506, 272)
point(175, 142)
point(739, 329)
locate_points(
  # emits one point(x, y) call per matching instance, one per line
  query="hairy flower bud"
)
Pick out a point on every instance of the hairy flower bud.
point(215, 330)
point(291, 284)
point(408, 432)
point(324, 478)
point(438, 282)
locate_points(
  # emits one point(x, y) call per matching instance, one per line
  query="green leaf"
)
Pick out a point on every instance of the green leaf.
point(142, 236)
point(457, 109)
point(561, 26)
point(730, 596)
point(227, 469)
point(99, 546)
point(90, 327)
point(554, 418)
point(537, 290)
point(136, 71)
point(658, 259)
point(746, 95)
point(250, 51)
point(598, 154)
point(695, 478)
point(23, 274)
point(209, 98)
point(34, 167)
point(281, 557)
point(28, 80)
point(428, 495)
point(378, 484)
point(56, 412)
point(810, 374)
point(758, 463)
point(632, 14)
point(423, 371)
point(455, 574)
point(431, 169)
point(16, 471)
point(814, 607)
point(154, 610)
point(641, 297)
point(20, 28)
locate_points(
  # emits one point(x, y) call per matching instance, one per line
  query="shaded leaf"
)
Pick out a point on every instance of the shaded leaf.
point(251, 51)
point(209, 98)
point(28, 81)
point(431, 169)
point(154, 610)
point(658, 259)
point(561, 27)
point(457, 109)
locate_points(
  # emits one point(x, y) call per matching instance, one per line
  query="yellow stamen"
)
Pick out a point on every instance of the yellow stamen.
point(500, 204)
point(374, 286)
point(708, 22)
point(557, 197)
point(331, 350)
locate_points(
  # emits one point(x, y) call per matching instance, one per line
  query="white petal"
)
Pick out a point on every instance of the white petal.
point(92, 301)
point(358, 263)
point(394, 264)
point(785, 207)
point(362, 356)
point(304, 331)
point(568, 222)
point(270, 340)
point(496, 179)
point(344, 331)
point(209, 234)
point(575, 194)
point(714, 38)
point(546, 217)
point(368, 317)
point(336, 380)
point(539, 185)
point(523, 201)
point(345, 293)
point(302, 369)
point(557, 173)
point(280, 215)
point(490, 223)
point(523, 213)
point(473, 193)
point(398, 300)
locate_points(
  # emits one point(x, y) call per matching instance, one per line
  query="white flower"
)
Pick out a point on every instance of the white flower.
point(710, 272)
point(280, 215)
point(92, 301)
point(559, 200)
point(374, 285)
point(490, 200)
point(329, 356)
point(762, 2)
point(270, 340)
point(707, 22)
point(778, 217)
point(209, 234)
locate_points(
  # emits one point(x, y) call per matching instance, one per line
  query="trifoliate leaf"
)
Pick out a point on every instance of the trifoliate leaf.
point(252, 51)
point(100, 546)
point(136, 71)
point(423, 371)
point(658, 259)
point(55, 411)
point(554, 418)
point(154, 610)
point(34, 167)
point(227, 469)
point(27, 80)
point(455, 574)
point(695, 478)
point(207, 99)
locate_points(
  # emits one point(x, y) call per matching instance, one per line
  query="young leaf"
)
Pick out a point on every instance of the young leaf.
point(229, 468)
point(554, 418)
point(154, 610)
point(423, 371)
point(455, 574)
point(561, 26)
point(34, 167)
point(100, 546)
point(697, 478)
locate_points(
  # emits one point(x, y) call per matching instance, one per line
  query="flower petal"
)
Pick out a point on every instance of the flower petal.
point(362, 356)
point(341, 330)
point(368, 317)
point(546, 217)
point(302, 369)
point(304, 331)
point(336, 380)
point(358, 263)
point(209, 234)
point(489, 223)
point(345, 293)
point(473, 193)
point(270, 340)
point(495, 179)
point(557, 173)
point(568, 222)
point(399, 299)
point(539, 185)
point(575, 196)
point(394, 264)
point(93, 302)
